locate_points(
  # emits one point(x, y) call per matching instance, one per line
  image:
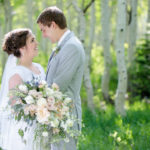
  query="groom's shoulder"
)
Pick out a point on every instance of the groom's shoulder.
point(74, 39)
point(74, 42)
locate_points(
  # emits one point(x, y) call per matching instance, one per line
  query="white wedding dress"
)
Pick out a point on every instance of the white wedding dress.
point(9, 137)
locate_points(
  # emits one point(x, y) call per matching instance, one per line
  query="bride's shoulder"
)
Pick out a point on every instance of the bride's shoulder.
point(39, 66)
point(18, 70)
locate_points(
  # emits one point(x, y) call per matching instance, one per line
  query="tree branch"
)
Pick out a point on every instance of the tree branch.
point(86, 8)
point(69, 5)
point(76, 7)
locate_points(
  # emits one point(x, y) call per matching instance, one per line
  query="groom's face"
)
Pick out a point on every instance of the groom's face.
point(48, 32)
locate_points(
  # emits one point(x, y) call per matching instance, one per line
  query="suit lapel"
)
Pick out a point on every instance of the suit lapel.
point(48, 66)
point(71, 34)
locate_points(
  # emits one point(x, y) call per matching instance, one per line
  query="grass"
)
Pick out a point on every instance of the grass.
point(108, 131)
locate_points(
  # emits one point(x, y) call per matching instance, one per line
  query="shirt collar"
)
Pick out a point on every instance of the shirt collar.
point(63, 36)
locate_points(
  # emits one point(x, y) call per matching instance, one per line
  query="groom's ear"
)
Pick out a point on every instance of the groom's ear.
point(54, 25)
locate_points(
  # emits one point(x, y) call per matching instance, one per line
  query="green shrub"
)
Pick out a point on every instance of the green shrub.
point(140, 72)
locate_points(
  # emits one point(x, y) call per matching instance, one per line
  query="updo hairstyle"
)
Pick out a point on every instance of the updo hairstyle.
point(14, 40)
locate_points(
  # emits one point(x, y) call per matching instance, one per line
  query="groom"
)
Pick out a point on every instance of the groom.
point(66, 63)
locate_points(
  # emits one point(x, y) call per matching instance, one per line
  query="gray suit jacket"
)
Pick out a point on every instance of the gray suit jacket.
point(66, 70)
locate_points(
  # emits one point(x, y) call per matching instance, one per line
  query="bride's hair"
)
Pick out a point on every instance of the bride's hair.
point(14, 40)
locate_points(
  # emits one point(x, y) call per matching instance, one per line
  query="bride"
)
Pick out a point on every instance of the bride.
point(21, 46)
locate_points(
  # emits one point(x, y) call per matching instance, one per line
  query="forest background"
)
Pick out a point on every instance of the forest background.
point(116, 85)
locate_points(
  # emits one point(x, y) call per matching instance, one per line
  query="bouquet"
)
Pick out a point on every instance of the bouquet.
point(51, 110)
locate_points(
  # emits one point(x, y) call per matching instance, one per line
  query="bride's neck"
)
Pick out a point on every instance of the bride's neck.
point(26, 63)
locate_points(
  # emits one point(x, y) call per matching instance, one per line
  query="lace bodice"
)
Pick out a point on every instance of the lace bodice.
point(26, 75)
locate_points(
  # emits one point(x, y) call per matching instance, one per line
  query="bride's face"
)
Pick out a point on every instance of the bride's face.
point(31, 49)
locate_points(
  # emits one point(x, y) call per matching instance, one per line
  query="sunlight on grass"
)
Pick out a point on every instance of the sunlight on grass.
point(108, 131)
point(97, 60)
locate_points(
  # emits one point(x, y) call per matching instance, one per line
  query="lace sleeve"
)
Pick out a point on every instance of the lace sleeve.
point(41, 70)
point(14, 81)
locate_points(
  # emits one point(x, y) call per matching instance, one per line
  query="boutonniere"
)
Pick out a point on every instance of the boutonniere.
point(57, 49)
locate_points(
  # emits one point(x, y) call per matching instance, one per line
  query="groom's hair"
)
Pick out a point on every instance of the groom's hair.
point(52, 14)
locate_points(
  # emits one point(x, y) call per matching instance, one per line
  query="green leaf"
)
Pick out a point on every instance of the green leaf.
point(21, 132)
point(19, 116)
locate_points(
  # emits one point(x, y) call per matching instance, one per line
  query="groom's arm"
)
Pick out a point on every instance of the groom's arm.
point(68, 66)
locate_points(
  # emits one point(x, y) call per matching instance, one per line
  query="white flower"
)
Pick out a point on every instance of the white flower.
point(55, 130)
point(55, 123)
point(66, 140)
point(69, 123)
point(45, 134)
point(31, 109)
point(29, 99)
point(65, 109)
point(55, 86)
point(67, 100)
point(23, 88)
point(114, 134)
point(67, 114)
point(118, 139)
point(42, 115)
point(26, 111)
point(63, 125)
point(33, 93)
point(43, 82)
point(49, 92)
point(42, 102)
point(58, 95)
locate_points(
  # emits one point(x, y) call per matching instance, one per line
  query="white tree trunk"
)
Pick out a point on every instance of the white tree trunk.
point(44, 43)
point(1, 30)
point(87, 80)
point(8, 25)
point(122, 73)
point(59, 4)
point(148, 22)
point(72, 23)
point(132, 32)
point(105, 21)
point(92, 29)
point(29, 5)
point(8, 15)
point(82, 21)
point(69, 18)
point(1, 37)
point(148, 18)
